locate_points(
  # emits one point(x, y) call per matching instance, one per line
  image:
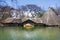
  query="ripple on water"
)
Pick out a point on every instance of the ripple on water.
point(37, 34)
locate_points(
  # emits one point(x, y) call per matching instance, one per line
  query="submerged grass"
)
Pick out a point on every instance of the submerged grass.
point(17, 33)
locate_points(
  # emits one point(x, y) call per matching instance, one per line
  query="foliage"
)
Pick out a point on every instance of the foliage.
point(40, 14)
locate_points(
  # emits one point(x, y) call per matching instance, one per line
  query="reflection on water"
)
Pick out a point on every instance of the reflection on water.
point(12, 33)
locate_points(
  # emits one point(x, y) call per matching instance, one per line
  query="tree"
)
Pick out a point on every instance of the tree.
point(40, 14)
point(5, 12)
point(58, 10)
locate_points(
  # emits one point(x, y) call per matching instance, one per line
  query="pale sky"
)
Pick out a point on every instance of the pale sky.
point(42, 3)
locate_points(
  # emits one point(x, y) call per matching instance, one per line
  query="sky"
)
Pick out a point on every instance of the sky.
point(41, 3)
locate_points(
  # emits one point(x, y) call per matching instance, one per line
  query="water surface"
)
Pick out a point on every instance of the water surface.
point(16, 33)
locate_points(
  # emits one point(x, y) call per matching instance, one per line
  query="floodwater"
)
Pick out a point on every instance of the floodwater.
point(16, 33)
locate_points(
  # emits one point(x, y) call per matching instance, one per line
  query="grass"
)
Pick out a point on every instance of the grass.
point(17, 33)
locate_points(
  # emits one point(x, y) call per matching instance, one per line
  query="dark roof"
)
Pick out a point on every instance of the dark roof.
point(36, 20)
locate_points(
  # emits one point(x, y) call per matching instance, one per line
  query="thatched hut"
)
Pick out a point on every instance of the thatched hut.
point(11, 22)
point(33, 21)
point(50, 17)
point(22, 22)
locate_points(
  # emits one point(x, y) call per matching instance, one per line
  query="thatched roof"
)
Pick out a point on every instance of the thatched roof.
point(37, 20)
point(11, 20)
point(50, 17)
